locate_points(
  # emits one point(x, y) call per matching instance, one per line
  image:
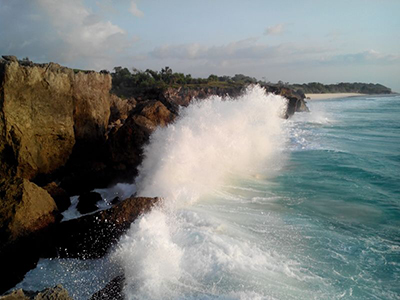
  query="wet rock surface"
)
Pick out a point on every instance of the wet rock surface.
point(89, 236)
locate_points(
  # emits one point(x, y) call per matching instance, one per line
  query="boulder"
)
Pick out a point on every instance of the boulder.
point(25, 208)
point(88, 202)
point(55, 293)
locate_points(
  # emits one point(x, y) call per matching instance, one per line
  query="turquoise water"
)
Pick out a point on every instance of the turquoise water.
point(342, 190)
point(256, 207)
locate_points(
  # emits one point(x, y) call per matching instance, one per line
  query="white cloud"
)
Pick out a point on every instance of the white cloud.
point(275, 30)
point(135, 10)
point(84, 35)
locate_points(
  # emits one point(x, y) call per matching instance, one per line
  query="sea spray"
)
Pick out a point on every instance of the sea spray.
point(179, 250)
point(211, 140)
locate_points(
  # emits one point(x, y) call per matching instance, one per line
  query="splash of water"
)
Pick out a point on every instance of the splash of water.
point(212, 139)
point(179, 248)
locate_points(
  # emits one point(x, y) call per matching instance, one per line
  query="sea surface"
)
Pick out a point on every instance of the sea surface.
point(258, 207)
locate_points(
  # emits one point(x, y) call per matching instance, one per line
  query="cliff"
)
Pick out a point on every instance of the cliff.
point(46, 111)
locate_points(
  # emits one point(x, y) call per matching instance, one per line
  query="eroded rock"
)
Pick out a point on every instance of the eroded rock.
point(55, 293)
point(24, 208)
point(36, 118)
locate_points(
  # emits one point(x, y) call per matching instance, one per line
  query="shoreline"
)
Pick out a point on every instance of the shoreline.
point(329, 96)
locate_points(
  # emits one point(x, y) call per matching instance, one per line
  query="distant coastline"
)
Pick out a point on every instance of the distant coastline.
point(326, 96)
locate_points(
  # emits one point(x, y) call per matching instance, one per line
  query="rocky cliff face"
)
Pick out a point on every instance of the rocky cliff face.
point(45, 111)
point(37, 124)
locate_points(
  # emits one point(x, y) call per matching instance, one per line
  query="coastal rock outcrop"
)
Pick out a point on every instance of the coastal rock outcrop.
point(91, 236)
point(125, 142)
point(54, 293)
point(46, 113)
point(90, 93)
point(36, 118)
point(25, 208)
point(182, 96)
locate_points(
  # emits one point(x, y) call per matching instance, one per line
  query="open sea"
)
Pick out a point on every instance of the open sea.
point(258, 207)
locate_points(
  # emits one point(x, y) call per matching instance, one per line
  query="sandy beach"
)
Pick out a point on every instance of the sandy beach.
point(331, 96)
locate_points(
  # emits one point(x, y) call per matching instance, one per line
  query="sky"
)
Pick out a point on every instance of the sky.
point(295, 41)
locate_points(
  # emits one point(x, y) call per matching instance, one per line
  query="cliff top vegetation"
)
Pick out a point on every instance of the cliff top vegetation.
point(126, 82)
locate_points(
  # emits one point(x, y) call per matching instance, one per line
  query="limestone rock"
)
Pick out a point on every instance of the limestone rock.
point(120, 109)
point(91, 105)
point(25, 208)
point(55, 293)
point(36, 118)
point(125, 143)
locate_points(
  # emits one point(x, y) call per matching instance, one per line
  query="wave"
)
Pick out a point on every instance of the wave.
point(182, 249)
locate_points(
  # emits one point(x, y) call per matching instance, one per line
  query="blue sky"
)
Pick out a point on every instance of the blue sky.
point(294, 41)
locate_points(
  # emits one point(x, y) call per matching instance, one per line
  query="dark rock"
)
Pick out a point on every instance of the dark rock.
point(125, 143)
point(59, 195)
point(120, 109)
point(112, 291)
point(25, 210)
point(87, 202)
point(92, 236)
point(55, 293)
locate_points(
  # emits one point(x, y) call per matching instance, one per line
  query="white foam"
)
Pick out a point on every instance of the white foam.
point(213, 139)
point(120, 190)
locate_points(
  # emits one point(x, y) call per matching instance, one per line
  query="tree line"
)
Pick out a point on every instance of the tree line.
point(123, 78)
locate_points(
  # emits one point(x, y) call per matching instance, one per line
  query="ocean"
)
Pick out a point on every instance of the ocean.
point(258, 207)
